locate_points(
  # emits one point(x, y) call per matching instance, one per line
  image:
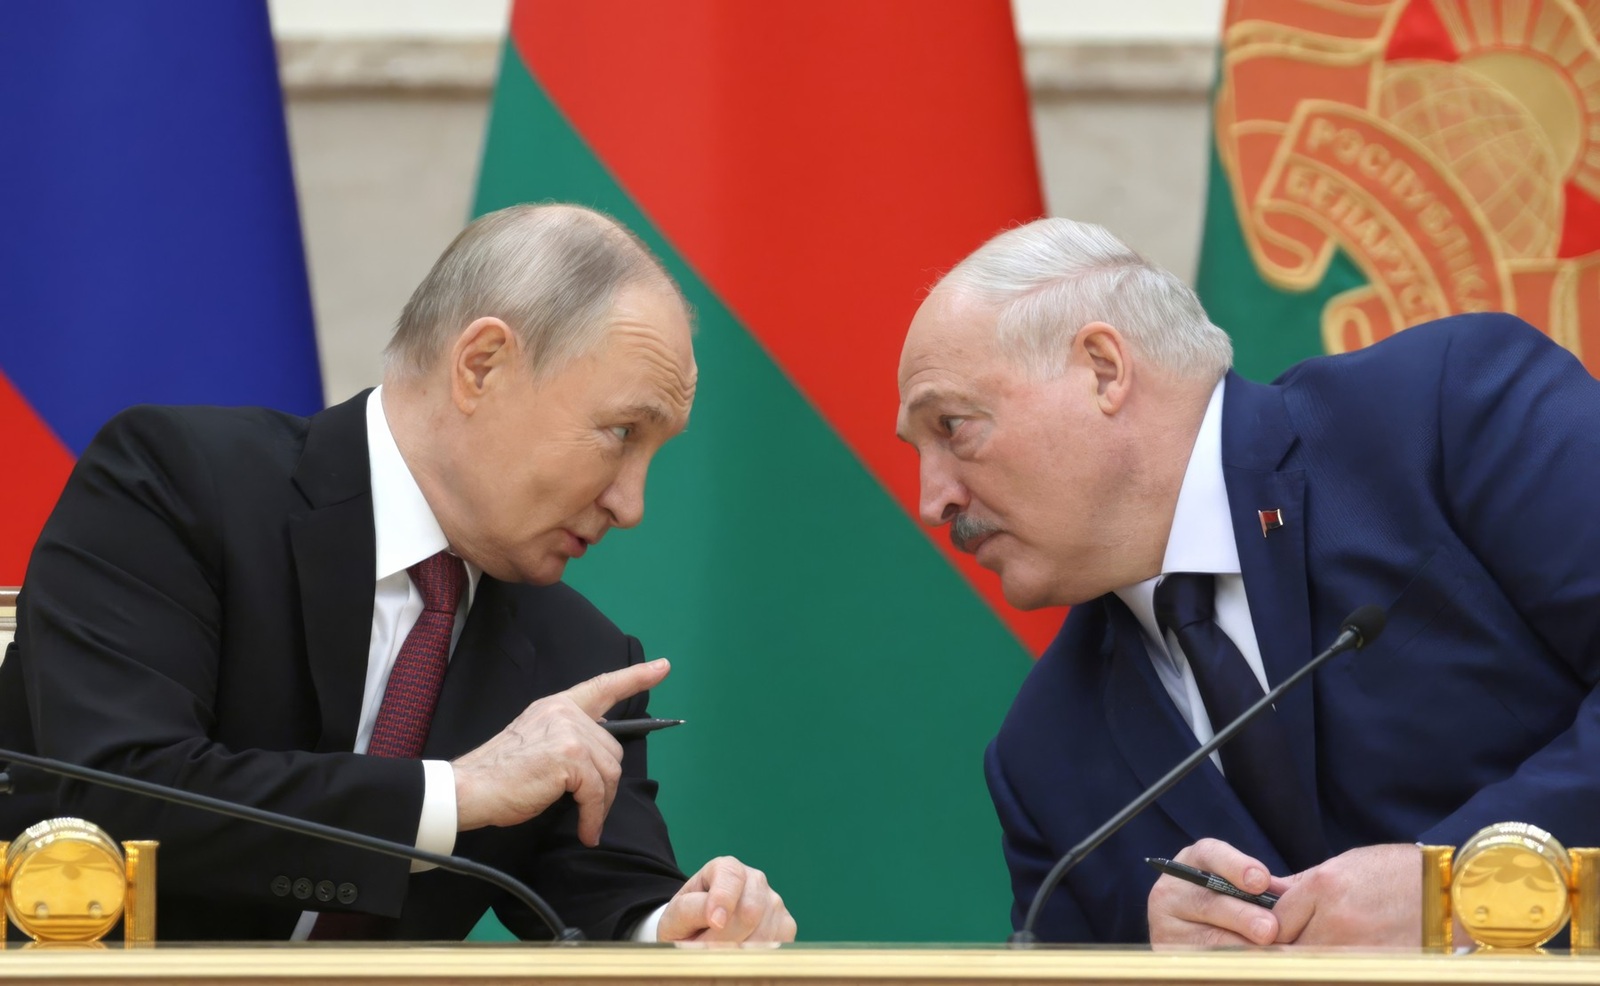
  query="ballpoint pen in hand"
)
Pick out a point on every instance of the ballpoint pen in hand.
point(1210, 881)
point(630, 728)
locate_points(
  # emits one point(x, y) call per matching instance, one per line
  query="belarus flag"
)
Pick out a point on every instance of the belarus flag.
point(807, 169)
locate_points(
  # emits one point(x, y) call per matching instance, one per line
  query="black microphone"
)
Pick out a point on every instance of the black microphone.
point(1359, 629)
point(450, 864)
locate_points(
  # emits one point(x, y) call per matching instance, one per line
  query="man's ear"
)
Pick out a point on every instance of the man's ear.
point(482, 358)
point(1101, 348)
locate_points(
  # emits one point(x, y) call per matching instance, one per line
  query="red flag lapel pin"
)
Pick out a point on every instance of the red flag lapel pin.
point(1271, 520)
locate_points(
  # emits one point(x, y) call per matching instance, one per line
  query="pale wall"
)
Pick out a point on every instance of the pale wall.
point(1037, 20)
point(384, 184)
point(1120, 20)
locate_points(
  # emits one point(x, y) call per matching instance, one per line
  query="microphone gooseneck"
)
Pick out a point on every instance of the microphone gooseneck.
point(451, 864)
point(1358, 629)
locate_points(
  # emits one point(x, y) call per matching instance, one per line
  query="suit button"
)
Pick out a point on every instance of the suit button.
point(302, 889)
point(325, 891)
point(347, 893)
point(280, 886)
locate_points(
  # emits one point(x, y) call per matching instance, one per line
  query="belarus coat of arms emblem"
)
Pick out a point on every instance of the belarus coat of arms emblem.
point(1451, 148)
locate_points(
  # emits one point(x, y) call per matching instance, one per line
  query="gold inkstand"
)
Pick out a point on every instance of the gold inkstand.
point(65, 881)
point(1510, 886)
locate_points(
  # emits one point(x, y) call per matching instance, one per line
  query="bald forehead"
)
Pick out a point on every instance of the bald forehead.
point(949, 330)
point(658, 304)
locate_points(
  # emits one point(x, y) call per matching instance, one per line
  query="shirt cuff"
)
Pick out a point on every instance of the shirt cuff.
point(645, 930)
point(436, 829)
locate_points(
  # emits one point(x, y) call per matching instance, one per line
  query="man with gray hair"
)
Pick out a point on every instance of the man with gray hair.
point(1082, 435)
point(357, 619)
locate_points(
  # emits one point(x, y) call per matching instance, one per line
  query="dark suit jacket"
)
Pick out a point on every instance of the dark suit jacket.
point(1448, 474)
point(197, 613)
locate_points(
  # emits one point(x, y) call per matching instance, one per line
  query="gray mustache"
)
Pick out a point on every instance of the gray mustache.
point(965, 529)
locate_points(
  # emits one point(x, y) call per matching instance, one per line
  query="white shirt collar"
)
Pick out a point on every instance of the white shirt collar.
point(403, 524)
point(1202, 526)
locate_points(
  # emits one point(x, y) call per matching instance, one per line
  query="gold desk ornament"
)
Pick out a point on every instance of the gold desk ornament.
point(65, 880)
point(1512, 885)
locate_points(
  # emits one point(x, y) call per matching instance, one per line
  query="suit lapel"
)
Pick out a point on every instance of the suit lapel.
point(335, 558)
point(490, 677)
point(1256, 442)
point(1202, 804)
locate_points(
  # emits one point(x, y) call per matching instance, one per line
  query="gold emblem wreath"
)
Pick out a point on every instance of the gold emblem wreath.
point(1445, 182)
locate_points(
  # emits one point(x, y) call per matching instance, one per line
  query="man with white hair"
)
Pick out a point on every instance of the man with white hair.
point(358, 619)
point(1081, 433)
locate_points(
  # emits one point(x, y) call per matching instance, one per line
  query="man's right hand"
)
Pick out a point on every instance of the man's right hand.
point(1183, 914)
point(554, 747)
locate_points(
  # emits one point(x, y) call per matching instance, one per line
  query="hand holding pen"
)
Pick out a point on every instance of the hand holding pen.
point(1212, 882)
point(1369, 896)
point(1218, 897)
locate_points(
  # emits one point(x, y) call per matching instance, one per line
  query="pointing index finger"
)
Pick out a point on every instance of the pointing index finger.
point(603, 691)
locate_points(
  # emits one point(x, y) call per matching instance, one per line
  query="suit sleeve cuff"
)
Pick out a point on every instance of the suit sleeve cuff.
point(645, 931)
point(436, 829)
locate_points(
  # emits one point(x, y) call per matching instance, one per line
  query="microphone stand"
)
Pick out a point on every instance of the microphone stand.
point(451, 864)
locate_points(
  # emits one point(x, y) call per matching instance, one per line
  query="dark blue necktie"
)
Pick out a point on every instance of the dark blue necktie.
point(1256, 761)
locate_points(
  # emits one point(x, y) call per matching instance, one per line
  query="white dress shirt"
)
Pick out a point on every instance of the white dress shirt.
point(1201, 541)
point(406, 532)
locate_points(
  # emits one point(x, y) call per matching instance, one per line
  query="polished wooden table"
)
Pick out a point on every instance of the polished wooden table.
point(805, 965)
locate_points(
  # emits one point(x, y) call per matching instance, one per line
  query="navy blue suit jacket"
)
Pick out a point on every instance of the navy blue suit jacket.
point(1449, 474)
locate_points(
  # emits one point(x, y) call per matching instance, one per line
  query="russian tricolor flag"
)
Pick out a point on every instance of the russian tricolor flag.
point(149, 241)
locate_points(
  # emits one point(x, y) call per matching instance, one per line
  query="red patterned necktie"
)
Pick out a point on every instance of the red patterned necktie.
point(413, 690)
point(409, 699)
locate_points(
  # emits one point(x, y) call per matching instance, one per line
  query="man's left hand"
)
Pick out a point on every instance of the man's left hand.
point(726, 901)
point(1367, 896)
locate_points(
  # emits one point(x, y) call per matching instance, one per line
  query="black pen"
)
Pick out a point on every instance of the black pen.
point(630, 728)
point(1210, 881)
